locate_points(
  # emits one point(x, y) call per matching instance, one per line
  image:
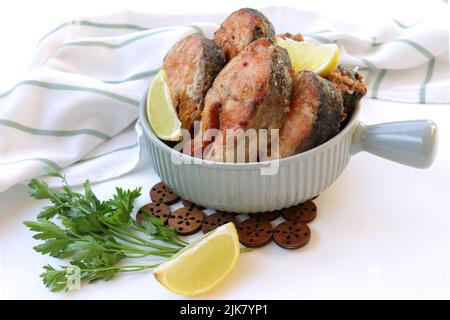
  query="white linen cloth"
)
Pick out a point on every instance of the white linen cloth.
point(76, 109)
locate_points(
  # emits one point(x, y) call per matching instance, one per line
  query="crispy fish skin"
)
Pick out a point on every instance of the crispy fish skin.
point(351, 85)
point(191, 66)
point(252, 91)
point(240, 29)
point(314, 115)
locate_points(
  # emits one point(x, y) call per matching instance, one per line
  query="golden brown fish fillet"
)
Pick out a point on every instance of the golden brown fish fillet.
point(252, 91)
point(314, 115)
point(191, 66)
point(240, 29)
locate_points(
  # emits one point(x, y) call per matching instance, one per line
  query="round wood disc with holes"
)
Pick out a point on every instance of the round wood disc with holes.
point(291, 234)
point(156, 209)
point(254, 232)
point(217, 219)
point(189, 204)
point(186, 221)
point(304, 212)
point(268, 215)
point(162, 193)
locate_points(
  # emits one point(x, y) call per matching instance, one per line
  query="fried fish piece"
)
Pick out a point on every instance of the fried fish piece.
point(314, 115)
point(240, 29)
point(191, 66)
point(252, 92)
point(351, 85)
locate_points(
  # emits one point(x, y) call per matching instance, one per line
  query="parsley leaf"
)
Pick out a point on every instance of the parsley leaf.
point(95, 235)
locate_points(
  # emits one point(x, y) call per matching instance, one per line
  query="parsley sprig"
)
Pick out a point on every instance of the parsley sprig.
point(95, 235)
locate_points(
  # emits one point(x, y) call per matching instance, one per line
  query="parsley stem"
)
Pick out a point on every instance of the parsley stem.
point(119, 236)
point(167, 251)
point(128, 268)
point(151, 253)
point(177, 241)
point(130, 249)
point(139, 269)
point(144, 242)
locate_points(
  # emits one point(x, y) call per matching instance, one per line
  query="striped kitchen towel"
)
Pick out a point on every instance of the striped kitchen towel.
point(76, 108)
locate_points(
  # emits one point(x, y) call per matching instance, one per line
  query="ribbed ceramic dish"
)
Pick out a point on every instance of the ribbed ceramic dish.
point(242, 187)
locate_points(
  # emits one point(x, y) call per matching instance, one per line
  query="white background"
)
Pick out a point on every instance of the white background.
point(382, 229)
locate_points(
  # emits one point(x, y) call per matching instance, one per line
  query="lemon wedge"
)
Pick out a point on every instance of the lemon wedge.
point(321, 59)
point(203, 264)
point(161, 112)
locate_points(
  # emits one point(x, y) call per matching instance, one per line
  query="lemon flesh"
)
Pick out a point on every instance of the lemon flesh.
point(321, 59)
point(203, 264)
point(161, 112)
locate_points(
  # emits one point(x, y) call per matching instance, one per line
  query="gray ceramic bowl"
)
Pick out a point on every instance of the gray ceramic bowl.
point(247, 187)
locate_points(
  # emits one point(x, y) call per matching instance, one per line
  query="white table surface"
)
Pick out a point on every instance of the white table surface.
point(382, 231)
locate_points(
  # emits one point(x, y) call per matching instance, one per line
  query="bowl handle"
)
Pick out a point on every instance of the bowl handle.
point(413, 143)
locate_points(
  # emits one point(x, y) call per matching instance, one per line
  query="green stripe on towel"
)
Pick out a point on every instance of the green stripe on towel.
point(405, 26)
point(131, 146)
point(197, 29)
point(430, 67)
point(368, 63)
point(411, 43)
point(60, 86)
point(48, 162)
point(321, 39)
point(134, 77)
point(376, 84)
point(370, 67)
point(430, 70)
point(53, 133)
point(77, 23)
point(128, 41)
